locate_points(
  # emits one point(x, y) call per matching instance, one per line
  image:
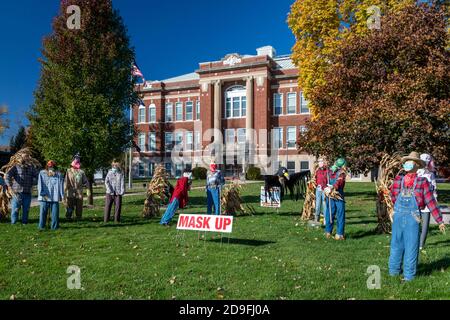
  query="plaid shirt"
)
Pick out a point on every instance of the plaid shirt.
point(424, 196)
point(21, 179)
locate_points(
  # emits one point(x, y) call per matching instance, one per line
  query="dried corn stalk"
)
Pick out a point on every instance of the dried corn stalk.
point(309, 206)
point(390, 166)
point(23, 157)
point(157, 193)
point(231, 200)
point(5, 199)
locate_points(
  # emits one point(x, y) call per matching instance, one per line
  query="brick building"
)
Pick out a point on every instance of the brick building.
point(251, 103)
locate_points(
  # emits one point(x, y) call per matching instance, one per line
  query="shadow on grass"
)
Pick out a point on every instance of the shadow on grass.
point(362, 234)
point(243, 242)
point(444, 196)
point(429, 268)
point(437, 244)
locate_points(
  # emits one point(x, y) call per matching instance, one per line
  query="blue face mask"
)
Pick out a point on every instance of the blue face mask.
point(408, 165)
point(114, 170)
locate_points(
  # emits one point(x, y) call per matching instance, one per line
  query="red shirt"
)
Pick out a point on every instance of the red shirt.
point(181, 192)
point(322, 177)
point(423, 193)
point(340, 182)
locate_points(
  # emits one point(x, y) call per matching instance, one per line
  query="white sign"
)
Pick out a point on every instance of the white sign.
point(232, 60)
point(211, 223)
point(271, 199)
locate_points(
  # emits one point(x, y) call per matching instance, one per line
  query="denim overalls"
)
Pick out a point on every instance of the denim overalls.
point(405, 234)
point(337, 208)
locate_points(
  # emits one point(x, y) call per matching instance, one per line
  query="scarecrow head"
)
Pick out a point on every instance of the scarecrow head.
point(429, 161)
point(412, 162)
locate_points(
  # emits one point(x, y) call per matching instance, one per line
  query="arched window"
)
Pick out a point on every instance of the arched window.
point(141, 114)
point(235, 102)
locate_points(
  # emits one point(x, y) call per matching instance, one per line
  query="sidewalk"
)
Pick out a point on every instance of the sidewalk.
point(35, 202)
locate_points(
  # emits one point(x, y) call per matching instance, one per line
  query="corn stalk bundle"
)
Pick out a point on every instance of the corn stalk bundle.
point(157, 193)
point(390, 166)
point(23, 157)
point(231, 201)
point(309, 206)
point(5, 199)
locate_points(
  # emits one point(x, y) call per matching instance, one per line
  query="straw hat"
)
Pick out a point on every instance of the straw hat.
point(414, 156)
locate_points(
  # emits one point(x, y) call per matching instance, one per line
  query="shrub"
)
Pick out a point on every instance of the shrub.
point(253, 173)
point(199, 173)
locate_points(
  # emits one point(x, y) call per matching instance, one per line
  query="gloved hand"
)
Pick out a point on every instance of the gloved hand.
point(442, 228)
point(327, 191)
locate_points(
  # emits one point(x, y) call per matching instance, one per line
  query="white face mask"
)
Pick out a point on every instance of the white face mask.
point(408, 166)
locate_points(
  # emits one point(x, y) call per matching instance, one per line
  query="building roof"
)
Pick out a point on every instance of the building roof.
point(184, 77)
point(284, 62)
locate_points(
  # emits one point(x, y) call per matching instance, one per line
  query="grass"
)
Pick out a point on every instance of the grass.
point(269, 256)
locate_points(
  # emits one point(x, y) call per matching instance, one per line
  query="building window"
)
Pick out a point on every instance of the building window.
point(241, 136)
point(141, 170)
point(291, 137)
point(197, 141)
point(168, 141)
point(141, 115)
point(197, 110)
point(278, 138)
point(152, 141)
point(151, 169)
point(304, 165)
point(168, 167)
point(169, 112)
point(277, 104)
point(291, 166)
point(189, 141)
point(179, 111)
point(179, 139)
point(189, 110)
point(304, 104)
point(236, 102)
point(152, 113)
point(229, 136)
point(292, 103)
point(141, 142)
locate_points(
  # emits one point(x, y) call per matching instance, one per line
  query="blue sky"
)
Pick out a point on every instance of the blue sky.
point(170, 37)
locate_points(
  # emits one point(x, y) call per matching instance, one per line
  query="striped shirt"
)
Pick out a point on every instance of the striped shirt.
point(424, 196)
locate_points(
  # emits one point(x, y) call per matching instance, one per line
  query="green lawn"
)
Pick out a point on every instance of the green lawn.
point(269, 256)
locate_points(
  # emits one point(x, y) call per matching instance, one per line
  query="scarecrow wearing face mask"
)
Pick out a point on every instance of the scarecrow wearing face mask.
point(410, 195)
point(322, 176)
point(115, 189)
point(74, 182)
point(427, 172)
point(50, 193)
point(335, 205)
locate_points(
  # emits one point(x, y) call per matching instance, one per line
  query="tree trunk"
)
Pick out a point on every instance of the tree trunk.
point(91, 189)
point(384, 222)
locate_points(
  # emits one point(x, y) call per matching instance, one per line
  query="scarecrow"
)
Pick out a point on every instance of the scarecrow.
point(50, 193)
point(410, 195)
point(214, 184)
point(179, 198)
point(21, 175)
point(335, 204)
point(74, 182)
point(322, 175)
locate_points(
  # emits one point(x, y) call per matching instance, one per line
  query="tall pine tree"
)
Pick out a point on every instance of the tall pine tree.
point(85, 88)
